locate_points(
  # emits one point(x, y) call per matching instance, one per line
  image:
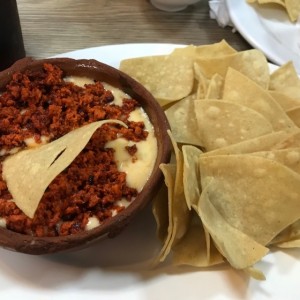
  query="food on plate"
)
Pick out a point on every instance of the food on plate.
point(234, 185)
point(292, 7)
point(256, 98)
point(74, 152)
point(294, 114)
point(285, 101)
point(151, 70)
point(286, 73)
point(47, 162)
point(251, 63)
point(222, 123)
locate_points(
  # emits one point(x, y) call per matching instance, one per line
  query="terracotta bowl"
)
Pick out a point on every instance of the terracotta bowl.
point(114, 225)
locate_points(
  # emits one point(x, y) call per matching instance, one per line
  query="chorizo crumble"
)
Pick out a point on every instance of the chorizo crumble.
point(42, 104)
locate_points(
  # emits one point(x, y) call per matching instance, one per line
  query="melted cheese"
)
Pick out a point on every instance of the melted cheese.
point(92, 223)
point(79, 80)
point(138, 169)
point(2, 222)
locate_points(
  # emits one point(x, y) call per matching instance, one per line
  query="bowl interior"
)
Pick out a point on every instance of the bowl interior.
point(110, 228)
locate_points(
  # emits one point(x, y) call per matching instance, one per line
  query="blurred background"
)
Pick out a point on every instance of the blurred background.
point(51, 27)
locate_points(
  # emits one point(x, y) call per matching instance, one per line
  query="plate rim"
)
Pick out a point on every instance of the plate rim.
point(168, 46)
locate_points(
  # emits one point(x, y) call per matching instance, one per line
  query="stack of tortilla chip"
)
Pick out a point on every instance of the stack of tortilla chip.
point(233, 189)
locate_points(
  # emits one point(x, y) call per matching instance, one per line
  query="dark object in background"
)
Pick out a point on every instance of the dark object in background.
point(11, 40)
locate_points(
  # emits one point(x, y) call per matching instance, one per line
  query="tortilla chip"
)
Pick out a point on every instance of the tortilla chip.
point(215, 87)
point(240, 250)
point(289, 237)
point(255, 273)
point(285, 75)
point(203, 82)
point(29, 172)
point(223, 123)
point(251, 63)
point(293, 9)
point(179, 214)
point(169, 172)
point(168, 78)
point(191, 175)
point(207, 51)
point(182, 119)
point(289, 244)
point(261, 143)
point(294, 115)
point(160, 212)
point(292, 140)
point(256, 98)
point(246, 204)
point(286, 102)
point(281, 2)
point(289, 157)
point(291, 91)
point(192, 249)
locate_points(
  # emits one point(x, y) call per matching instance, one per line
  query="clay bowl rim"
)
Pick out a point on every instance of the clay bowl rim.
point(113, 226)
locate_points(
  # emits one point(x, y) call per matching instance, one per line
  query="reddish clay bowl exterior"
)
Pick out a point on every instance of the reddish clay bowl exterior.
point(113, 226)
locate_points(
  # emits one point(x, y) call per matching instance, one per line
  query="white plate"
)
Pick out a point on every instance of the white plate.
point(268, 29)
point(117, 269)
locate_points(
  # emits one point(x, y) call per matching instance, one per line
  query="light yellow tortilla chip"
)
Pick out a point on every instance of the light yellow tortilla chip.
point(285, 101)
point(251, 63)
point(192, 249)
point(169, 172)
point(223, 123)
point(294, 115)
point(261, 143)
point(29, 172)
point(195, 247)
point(160, 212)
point(293, 9)
point(291, 91)
point(292, 140)
point(191, 175)
point(207, 51)
point(182, 119)
point(168, 78)
point(179, 214)
point(250, 196)
point(240, 250)
point(240, 89)
point(255, 273)
point(289, 244)
point(215, 87)
point(202, 82)
point(289, 237)
point(281, 2)
point(288, 157)
point(286, 75)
